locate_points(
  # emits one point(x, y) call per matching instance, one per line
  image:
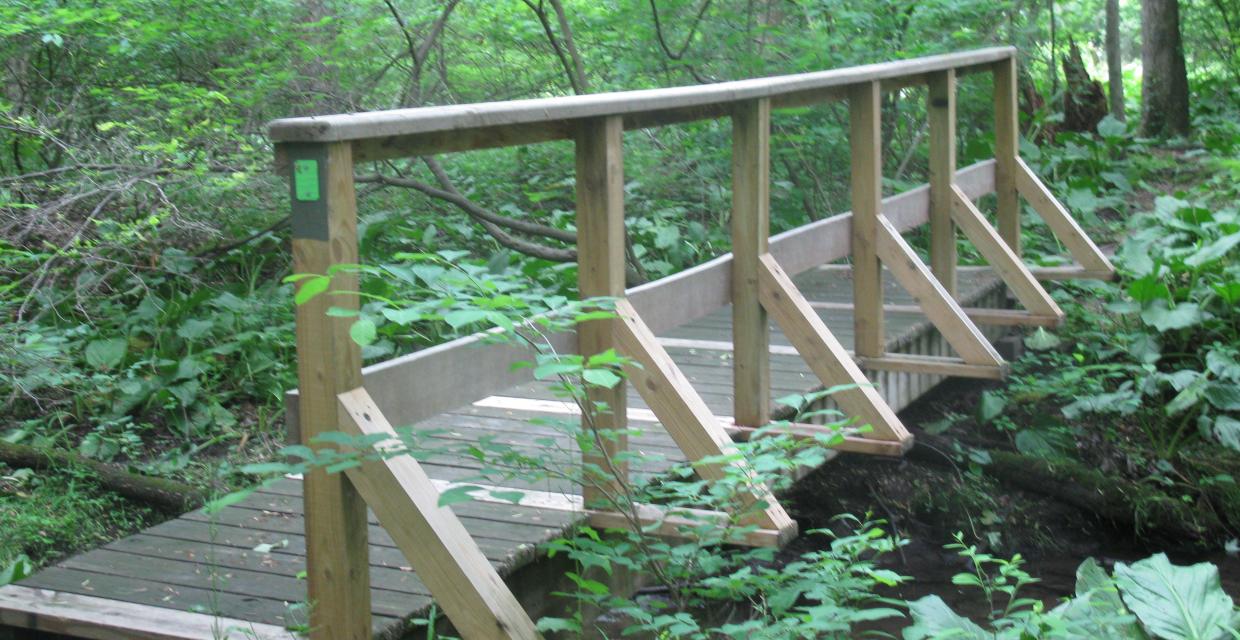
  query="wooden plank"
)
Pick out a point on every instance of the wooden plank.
point(751, 223)
point(1061, 223)
point(850, 444)
point(1075, 272)
point(437, 545)
point(685, 415)
point(941, 109)
point(600, 273)
point(1007, 151)
point(83, 616)
point(942, 309)
point(1000, 256)
point(459, 118)
point(825, 355)
point(979, 315)
point(936, 365)
point(865, 142)
point(328, 362)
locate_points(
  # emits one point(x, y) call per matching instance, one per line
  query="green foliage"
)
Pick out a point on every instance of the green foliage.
point(1151, 598)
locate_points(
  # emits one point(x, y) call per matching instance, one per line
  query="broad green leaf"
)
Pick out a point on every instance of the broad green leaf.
point(1226, 430)
point(601, 378)
point(1181, 316)
point(1032, 443)
point(990, 406)
point(1214, 250)
point(462, 317)
point(932, 619)
point(363, 331)
point(1042, 340)
point(1223, 395)
point(1174, 602)
point(457, 494)
point(311, 287)
point(1148, 289)
point(194, 329)
point(106, 354)
point(19, 569)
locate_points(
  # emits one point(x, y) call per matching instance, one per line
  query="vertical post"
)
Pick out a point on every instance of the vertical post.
point(941, 108)
point(324, 221)
point(1007, 149)
point(600, 272)
point(865, 139)
point(751, 223)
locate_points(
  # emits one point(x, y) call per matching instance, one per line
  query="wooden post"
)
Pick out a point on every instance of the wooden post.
point(751, 221)
point(329, 362)
point(600, 260)
point(941, 108)
point(865, 140)
point(1007, 150)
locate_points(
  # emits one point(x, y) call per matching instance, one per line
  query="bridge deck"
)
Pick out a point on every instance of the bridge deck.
point(200, 576)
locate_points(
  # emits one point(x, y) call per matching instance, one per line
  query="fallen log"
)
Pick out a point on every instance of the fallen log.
point(165, 495)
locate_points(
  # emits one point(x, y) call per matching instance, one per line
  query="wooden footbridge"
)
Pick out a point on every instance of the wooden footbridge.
point(373, 543)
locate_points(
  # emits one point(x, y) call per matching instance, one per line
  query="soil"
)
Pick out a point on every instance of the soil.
point(927, 503)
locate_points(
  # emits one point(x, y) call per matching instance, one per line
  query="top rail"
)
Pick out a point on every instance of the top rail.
point(706, 99)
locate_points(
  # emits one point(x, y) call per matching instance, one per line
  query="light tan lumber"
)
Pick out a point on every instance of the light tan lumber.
point(99, 618)
point(600, 273)
point(684, 414)
point(936, 365)
point(425, 120)
point(751, 222)
point(941, 109)
point(1007, 150)
point(942, 310)
point(865, 143)
point(1061, 223)
point(1075, 272)
point(433, 540)
point(329, 362)
point(851, 444)
point(719, 345)
point(979, 315)
point(825, 355)
point(1000, 256)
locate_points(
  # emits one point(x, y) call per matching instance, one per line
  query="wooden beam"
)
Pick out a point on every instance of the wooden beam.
point(979, 315)
point(1074, 272)
point(865, 142)
point(1007, 151)
point(685, 415)
point(942, 309)
point(934, 365)
point(79, 616)
point(1061, 223)
point(433, 540)
point(941, 108)
point(600, 273)
point(1000, 256)
point(850, 444)
point(825, 355)
point(329, 362)
point(751, 222)
point(461, 118)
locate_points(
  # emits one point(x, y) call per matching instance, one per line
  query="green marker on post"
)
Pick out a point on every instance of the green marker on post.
point(306, 180)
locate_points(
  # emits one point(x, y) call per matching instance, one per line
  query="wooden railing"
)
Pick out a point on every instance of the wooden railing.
point(336, 394)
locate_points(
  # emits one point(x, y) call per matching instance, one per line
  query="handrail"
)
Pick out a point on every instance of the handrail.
point(461, 118)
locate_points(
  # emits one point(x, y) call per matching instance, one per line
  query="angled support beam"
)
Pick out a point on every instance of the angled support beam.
point(1061, 223)
point(685, 415)
point(1070, 273)
point(979, 315)
point(935, 365)
point(436, 544)
point(940, 307)
point(826, 356)
point(1006, 263)
point(849, 444)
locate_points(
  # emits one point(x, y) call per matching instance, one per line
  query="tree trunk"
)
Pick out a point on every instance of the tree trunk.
point(1115, 61)
point(1164, 79)
point(1084, 104)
